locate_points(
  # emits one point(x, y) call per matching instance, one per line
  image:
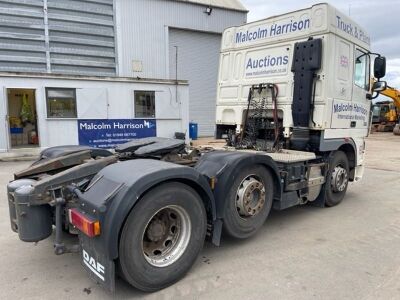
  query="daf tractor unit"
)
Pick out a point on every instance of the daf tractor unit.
point(294, 105)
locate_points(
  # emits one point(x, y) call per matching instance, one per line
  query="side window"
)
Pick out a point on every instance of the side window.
point(61, 103)
point(361, 70)
point(145, 106)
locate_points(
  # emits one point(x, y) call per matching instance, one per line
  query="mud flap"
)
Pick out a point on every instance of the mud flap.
point(99, 267)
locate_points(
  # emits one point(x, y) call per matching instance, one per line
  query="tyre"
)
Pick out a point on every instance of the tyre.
point(249, 202)
point(337, 179)
point(162, 237)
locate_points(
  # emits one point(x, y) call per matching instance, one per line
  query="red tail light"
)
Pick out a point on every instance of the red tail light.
point(84, 223)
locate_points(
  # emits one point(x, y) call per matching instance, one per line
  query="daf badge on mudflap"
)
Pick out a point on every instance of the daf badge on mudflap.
point(97, 268)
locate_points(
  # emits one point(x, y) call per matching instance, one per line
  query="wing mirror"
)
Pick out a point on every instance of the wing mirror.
point(379, 86)
point(380, 67)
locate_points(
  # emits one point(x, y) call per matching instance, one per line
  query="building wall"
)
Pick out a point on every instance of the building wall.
point(143, 31)
point(58, 36)
point(80, 36)
point(118, 94)
point(101, 38)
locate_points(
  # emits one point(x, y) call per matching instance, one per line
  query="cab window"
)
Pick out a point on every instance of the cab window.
point(361, 70)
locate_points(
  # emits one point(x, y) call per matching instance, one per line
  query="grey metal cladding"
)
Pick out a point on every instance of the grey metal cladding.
point(64, 36)
point(81, 37)
point(22, 38)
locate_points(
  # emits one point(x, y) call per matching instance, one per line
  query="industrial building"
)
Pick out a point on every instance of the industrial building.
point(63, 62)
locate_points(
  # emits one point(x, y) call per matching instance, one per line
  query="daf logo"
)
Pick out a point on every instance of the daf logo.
point(97, 268)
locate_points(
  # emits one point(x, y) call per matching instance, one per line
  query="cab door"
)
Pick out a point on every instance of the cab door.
point(360, 115)
point(343, 85)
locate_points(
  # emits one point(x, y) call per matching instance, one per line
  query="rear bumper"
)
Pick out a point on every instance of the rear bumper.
point(34, 223)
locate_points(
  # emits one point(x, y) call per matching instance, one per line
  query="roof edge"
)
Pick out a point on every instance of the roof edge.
point(212, 4)
point(33, 75)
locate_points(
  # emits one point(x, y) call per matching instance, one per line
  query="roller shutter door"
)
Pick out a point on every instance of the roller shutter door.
point(198, 56)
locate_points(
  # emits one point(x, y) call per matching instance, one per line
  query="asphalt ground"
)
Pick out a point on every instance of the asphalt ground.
point(351, 251)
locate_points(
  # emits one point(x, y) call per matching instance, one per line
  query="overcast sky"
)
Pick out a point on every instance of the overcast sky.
point(381, 19)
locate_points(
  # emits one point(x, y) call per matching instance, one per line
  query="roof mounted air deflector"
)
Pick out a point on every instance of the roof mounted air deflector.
point(306, 62)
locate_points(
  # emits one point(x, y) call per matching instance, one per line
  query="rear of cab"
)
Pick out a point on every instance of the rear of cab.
point(262, 52)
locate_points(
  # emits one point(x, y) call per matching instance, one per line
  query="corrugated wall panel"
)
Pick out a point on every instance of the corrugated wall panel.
point(81, 37)
point(58, 36)
point(81, 34)
point(22, 36)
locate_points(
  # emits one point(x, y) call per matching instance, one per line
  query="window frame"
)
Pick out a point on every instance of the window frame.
point(135, 92)
point(48, 106)
point(367, 75)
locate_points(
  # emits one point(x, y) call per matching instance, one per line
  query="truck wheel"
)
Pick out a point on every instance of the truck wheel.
point(249, 202)
point(337, 179)
point(162, 237)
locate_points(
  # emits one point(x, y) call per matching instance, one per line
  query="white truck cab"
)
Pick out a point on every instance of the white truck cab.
point(335, 99)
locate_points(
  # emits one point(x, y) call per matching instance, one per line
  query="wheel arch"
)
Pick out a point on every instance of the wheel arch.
point(152, 173)
point(223, 166)
point(277, 183)
point(350, 152)
point(208, 199)
point(205, 196)
point(346, 145)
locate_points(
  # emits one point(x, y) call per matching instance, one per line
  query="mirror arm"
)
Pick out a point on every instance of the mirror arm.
point(373, 53)
point(371, 97)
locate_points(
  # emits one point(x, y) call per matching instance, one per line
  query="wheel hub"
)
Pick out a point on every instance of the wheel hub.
point(166, 236)
point(339, 179)
point(250, 198)
point(156, 230)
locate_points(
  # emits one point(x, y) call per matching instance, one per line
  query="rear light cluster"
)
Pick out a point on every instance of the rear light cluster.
point(84, 223)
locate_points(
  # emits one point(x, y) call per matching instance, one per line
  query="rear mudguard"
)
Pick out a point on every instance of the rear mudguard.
point(224, 166)
point(114, 191)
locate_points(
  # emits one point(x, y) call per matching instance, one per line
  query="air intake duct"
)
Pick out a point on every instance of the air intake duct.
point(306, 62)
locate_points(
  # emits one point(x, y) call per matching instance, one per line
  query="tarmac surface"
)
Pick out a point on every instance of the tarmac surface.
point(351, 251)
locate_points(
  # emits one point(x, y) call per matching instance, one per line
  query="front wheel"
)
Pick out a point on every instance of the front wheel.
point(337, 179)
point(162, 237)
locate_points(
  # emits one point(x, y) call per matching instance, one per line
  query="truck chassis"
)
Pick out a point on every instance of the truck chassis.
point(155, 201)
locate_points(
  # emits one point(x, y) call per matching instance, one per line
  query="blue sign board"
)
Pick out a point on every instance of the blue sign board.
point(108, 133)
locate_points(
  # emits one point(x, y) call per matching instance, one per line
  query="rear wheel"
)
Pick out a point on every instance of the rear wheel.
point(249, 202)
point(337, 179)
point(162, 237)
